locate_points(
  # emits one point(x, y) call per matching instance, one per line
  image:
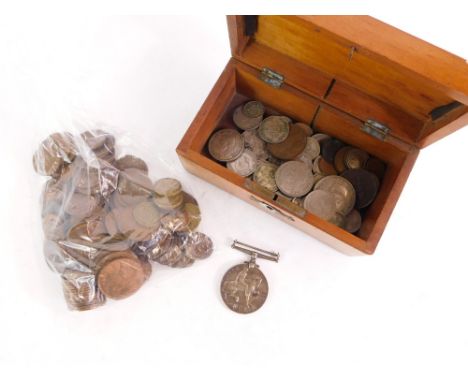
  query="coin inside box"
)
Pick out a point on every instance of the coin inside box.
point(347, 77)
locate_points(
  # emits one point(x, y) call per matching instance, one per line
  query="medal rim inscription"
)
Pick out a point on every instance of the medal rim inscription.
point(240, 268)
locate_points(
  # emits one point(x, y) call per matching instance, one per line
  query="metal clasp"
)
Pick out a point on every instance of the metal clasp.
point(271, 77)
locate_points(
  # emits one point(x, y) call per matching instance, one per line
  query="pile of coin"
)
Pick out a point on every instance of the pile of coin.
point(104, 219)
point(314, 171)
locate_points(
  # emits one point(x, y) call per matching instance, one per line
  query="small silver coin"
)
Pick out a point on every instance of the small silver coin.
point(245, 165)
point(245, 122)
point(253, 109)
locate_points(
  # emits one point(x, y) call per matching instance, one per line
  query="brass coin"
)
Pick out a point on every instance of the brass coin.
point(131, 161)
point(254, 143)
point(291, 147)
point(322, 204)
point(294, 179)
point(147, 215)
point(352, 221)
point(245, 165)
point(339, 161)
point(120, 278)
point(366, 185)
point(244, 122)
point(356, 158)
point(274, 129)
point(342, 190)
point(198, 246)
point(305, 128)
point(226, 145)
point(244, 288)
point(253, 109)
point(265, 176)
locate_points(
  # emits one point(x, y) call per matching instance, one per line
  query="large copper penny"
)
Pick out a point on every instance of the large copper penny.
point(366, 185)
point(121, 278)
point(226, 145)
point(294, 178)
point(342, 190)
point(245, 165)
point(274, 129)
point(244, 288)
point(291, 147)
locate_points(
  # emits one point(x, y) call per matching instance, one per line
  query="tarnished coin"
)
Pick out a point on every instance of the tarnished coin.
point(321, 166)
point(198, 246)
point(253, 109)
point(243, 121)
point(352, 221)
point(339, 160)
point(121, 278)
point(226, 145)
point(147, 215)
point(305, 128)
point(245, 165)
point(366, 185)
point(356, 158)
point(329, 149)
point(273, 129)
point(294, 179)
point(342, 190)
point(291, 147)
point(376, 166)
point(322, 204)
point(265, 176)
point(244, 288)
point(254, 143)
point(131, 161)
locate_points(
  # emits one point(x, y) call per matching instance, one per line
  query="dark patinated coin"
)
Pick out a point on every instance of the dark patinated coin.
point(339, 160)
point(365, 183)
point(329, 149)
point(292, 146)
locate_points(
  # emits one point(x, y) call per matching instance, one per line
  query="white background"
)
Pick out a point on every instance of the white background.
point(398, 315)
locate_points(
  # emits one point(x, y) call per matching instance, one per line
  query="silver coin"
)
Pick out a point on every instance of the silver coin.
point(312, 149)
point(274, 129)
point(253, 142)
point(342, 190)
point(225, 145)
point(322, 204)
point(245, 122)
point(294, 178)
point(253, 109)
point(245, 165)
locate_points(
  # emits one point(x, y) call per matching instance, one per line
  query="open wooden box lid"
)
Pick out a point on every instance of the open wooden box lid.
point(362, 66)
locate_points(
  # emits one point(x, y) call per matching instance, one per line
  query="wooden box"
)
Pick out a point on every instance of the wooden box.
point(335, 73)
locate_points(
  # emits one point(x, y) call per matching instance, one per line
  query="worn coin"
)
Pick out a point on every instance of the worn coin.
point(253, 109)
point(273, 129)
point(339, 160)
point(325, 167)
point(294, 178)
point(147, 215)
point(356, 158)
point(226, 145)
point(366, 185)
point(245, 165)
point(322, 204)
point(198, 246)
point(291, 147)
point(244, 288)
point(254, 143)
point(352, 221)
point(265, 176)
point(312, 149)
point(243, 121)
point(80, 205)
point(342, 190)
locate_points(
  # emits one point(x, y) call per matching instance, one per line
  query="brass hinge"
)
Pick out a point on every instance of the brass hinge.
point(376, 129)
point(271, 77)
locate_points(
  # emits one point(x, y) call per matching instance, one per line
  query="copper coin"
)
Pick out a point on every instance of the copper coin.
point(329, 149)
point(366, 185)
point(198, 246)
point(352, 221)
point(294, 178)
point(356, 158)
point(244, 288)
point(376, 166)
point(291, 147)
point(325, 168)
point(254, 143)
point(131, 161)
point(274, 129)
point(342, 190)
point(305, 128)
point(243, 121)
point(121, 278)
point(253, 109)
point(226, 145)
point(339, 161)
point(322, 204)
point(265, 176)
point(245, 165)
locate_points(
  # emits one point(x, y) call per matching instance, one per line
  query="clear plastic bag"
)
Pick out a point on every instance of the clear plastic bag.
point(105, 220)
